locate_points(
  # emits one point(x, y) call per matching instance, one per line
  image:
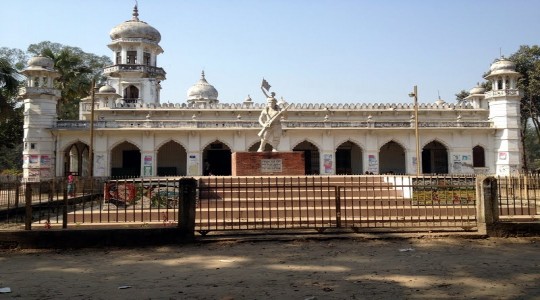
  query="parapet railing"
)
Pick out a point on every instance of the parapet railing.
point(240, 124)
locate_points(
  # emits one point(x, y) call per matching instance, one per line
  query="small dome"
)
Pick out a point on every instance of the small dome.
point(477, 90)
point(107, 89)
point(440, 101)
point(202, 90)
point(502, 64)
point(135, 28)
point(41, 62)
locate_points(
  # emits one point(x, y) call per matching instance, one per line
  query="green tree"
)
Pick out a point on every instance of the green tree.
point(460, 97)
point(527, 60)
point(9, 85)
point(77, 70)
point(11, 114)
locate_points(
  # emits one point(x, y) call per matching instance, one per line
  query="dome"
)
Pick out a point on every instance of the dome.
point(477, 90)
point(107, 89)
point(41, 62)
point(440, 101)
point(135, 28)
point(202, 90)
point(501, 66)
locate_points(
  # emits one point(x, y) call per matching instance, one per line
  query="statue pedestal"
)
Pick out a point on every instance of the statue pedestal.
point(267, 163)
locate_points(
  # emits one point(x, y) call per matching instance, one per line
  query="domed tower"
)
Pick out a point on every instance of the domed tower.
point(477, 97)
point(202, 92)
point(504, 112)
point(39, 99)
point(135, 74)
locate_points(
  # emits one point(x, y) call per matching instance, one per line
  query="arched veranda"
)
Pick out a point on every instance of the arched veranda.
point(126, 160)
point(311, 157)
point(171, 159)
point(348, 159)
point(435, 158)
point(76, 159)
point(392, 159)
point(217, 156)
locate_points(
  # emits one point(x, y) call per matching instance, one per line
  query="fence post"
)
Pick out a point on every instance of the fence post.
point(63, 186)
point(337, 193)
point(186, 213)
point(28, 206)
point(487, 203)
point(17, 193)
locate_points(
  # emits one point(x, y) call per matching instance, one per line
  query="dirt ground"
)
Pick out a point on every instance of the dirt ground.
point(354, 268)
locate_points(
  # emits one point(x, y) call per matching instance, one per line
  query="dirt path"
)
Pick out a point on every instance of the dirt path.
point(425, 268)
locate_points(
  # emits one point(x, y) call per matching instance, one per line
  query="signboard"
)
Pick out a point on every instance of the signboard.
point(271, 166)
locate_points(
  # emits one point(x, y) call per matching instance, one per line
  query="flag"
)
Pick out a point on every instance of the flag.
point(265, 85)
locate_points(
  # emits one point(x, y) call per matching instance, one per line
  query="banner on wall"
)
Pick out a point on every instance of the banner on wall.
point(33, 161)
point(148, 160)
point(193, 165)
point(45, 160)
point(373, 164)
point(147, 171)
point(328, 164)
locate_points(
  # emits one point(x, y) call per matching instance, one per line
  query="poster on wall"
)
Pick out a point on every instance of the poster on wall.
point(45, 160)
point(99, 165)
point(373, 164)
point(148, 160)
point(33, 174)
point(147, 171)
point(33, 161)
point(462, 163)
point(193, 165)
point(328, 164)
point(45, 173)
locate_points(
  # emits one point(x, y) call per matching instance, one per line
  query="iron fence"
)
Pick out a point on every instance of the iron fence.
point(519, 197)
point(321, 202)
point(357, 202)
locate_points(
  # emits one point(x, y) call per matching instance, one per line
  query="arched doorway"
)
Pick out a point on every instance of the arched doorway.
point(435, 158)
point(311, 157)
point(125, 160)
point(348, 159)
point(171, 159)
point(392, 158)
point(218, 157)
point(76, 159)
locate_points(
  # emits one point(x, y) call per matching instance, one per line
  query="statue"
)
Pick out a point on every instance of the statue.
point(270, 119)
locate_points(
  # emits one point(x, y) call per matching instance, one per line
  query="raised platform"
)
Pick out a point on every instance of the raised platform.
point(267, 163)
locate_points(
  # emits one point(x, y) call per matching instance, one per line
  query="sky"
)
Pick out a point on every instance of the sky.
point(310, 51)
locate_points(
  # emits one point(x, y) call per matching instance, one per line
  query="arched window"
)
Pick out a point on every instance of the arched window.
point(131, 94)
point(479, 159)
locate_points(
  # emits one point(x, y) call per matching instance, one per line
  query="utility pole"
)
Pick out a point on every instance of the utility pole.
point(91, 152)
point(414, 94)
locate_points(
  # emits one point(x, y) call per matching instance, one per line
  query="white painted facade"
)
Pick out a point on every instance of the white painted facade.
point(135, 134)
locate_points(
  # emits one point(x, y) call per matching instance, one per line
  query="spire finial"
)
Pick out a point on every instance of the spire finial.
point(135, 12)
point(202, 74)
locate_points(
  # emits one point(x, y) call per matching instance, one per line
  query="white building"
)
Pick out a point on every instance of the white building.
point(135, 134)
